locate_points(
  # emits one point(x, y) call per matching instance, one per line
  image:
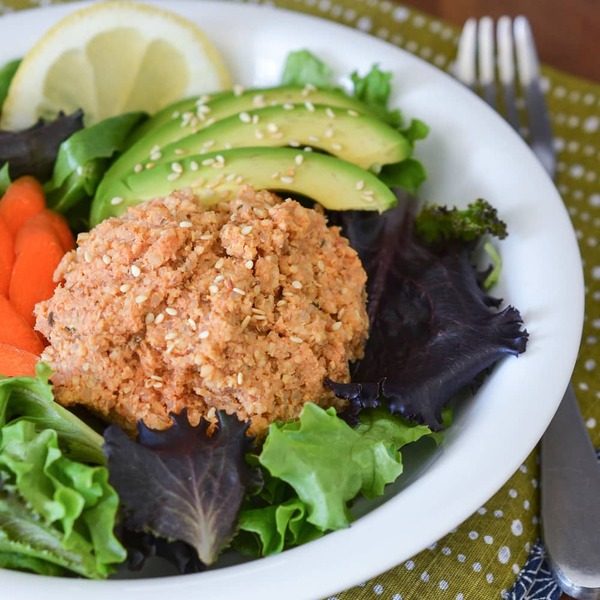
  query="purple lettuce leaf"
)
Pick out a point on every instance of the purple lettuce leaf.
point(182, 484)
point(433, 330)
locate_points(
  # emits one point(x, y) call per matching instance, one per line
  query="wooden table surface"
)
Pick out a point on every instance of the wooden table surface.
point(567, 32)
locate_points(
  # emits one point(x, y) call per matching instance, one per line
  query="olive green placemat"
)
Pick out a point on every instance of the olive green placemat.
point(482, 557)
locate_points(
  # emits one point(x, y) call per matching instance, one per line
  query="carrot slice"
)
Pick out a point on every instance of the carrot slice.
point(15, 362)
point(31, 281)
point(23, 199)
point(57, 223)
point(15, 331)
point(7, 257)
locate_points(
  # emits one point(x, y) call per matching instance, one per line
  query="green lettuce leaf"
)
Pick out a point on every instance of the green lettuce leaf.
point(31, 399)
point(83, 158)
point(7, 72)
point(328, 463)
point(54, 510)
point(408, 175)
point(304, 68)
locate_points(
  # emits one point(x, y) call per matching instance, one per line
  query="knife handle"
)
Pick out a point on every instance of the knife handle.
point(571, 502)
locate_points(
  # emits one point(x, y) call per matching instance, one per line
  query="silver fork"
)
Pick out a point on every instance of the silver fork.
point(499, 61)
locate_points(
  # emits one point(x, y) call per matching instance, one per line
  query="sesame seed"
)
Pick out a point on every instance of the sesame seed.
point(239, 179)
point(368, 193)
point(192, 324)
point(287, 180)
point(176, 167)
point(116, 200)
point(296, 284)
point(329, 112)
point(149, 318)
point(246, 322)
point(259, 135)
point(245, 117)
point(307, 149)
point(175, 114)
point(220, 159)
point(313, 138)
point(277, 136)
point(296, 339)
point(288, 106)
point(329, 132)
point(219, 263)
point(255, 119)
point(213, 289)
point(150, 165)
point(203, 335)
point(141, 298)
point(360, 185)
point(281, 303)
point(337, 147)
point(237, 290)
point(171, 311)
point(179, 151)
point(240, 378)
point(208, 144)
point(310, 107)
point(156, 155)
point(173, 176)
point(275, 175)
point(294, 143)
point(207, 162)
point(194, 165)
point(135, 271)
point(272, 127)
point(337, 325)
point(352, 113)
point(238, 89)
point(138, 168)
point(299, 159)
point(185, 224)
point(159, 319)
point(246, 229)
point(249, 264)
point(308, 89)
point(204, 109)
point(170, 336)
point(258, 100)
point(125, 288)
point(219, 278)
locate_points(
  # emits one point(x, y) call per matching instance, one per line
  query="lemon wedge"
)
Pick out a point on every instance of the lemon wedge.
point(111, 58)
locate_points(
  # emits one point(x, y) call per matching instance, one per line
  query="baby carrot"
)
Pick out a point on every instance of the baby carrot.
point(15, 331)
point(38, 254)
point(15, 362)
point(23, 199)
point(55, 222)
point(7, 257)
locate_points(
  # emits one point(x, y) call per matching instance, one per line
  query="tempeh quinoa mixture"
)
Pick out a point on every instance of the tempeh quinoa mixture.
point(246, 306)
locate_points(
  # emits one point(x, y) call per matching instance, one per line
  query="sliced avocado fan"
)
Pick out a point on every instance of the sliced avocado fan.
point(215, 177)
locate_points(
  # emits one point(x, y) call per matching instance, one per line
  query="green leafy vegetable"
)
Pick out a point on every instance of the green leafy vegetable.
point(374, 90)
point(328, 463)
point(31, 399)
point(55, 513)
point(438, 224)
point(493, 275)
point(416, 130)
point(408, 175)
point(304, 68)
point(7, 72)
point(4, 178)
point(83, 158)
point(181, 483)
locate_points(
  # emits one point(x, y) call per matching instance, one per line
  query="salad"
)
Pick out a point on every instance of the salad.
point(225, 368)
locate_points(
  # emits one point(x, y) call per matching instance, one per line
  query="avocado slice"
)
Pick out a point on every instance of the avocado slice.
point(214, 177)
point(360, 139)
point(231, 102)
point(188, 116)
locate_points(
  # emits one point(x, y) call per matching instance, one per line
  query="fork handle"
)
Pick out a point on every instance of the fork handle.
point(571, 502)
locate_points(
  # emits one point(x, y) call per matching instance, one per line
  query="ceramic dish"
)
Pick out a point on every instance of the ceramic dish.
point(470, 153)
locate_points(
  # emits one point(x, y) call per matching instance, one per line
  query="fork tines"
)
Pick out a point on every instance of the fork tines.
point(504, 56)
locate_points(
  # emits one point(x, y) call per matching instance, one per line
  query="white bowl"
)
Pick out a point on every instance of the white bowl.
point(470, 153)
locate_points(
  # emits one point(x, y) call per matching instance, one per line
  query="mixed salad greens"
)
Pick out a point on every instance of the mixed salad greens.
point(75, 501)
